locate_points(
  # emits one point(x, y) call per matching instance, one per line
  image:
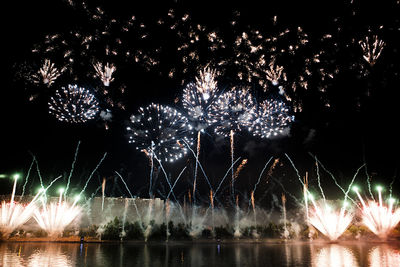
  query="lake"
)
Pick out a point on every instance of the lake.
point(352, 254)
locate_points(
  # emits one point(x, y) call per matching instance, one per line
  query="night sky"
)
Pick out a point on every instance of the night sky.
point(360, 126)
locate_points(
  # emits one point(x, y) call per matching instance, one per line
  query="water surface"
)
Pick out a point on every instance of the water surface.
point(173, 254)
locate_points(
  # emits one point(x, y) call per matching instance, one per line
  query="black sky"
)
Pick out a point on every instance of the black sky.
point(343, 137)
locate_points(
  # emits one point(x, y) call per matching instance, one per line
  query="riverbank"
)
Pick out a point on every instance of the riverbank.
point(77, 239)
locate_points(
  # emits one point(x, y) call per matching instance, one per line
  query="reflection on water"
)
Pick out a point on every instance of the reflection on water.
point(384, 256)
point(206, 254)
point(34, 255)
point(333, 256)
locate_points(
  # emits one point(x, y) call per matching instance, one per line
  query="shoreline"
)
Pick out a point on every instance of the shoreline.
point(196, 241)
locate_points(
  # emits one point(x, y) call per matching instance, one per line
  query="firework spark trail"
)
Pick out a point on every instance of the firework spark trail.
point(240, 168)
point(196, 167)
point(170, 187)
point(285, 231)
point(95, 192)
point(269, 174)
point(38, 171)
point(126, 186)
point(27, 177)
point(150, 157)
point(103, 189)
point(166, 177)
point(232, 158)
point(91, 175)
point(259, 178)
point(198, 162)
point(369, 183)
point(319, 180)
point(151, 177)
point(51, 183)
point(286, 192)
point(72, 169)
point(346, 193)
point(261, 173)
point(134, 200)
point(254, 207)
point(391, 184)
point(212, 210)
point(167, 215)
point(237, 221)
point(226, 174)
point(294, 167)
point(176, 181)
point(13, 191)
point(368, 177)
point(271, 169)
point(305, 196)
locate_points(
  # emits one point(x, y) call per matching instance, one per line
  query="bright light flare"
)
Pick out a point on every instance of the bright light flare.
point(13, 215)
point(330, 221)
point(379, 217)
point(55, 217)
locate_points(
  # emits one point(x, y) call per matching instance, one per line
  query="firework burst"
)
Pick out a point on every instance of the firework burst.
point(161, 131)
point(372, 49)
point(104, 73)
point(54, 217)
point(272, 119)
point(14, 214)
point(198, 97)
point(329, 221)
point(48, 73)
point(233, 111)
point(377, 216)
point(196, 45)
point(73, 104)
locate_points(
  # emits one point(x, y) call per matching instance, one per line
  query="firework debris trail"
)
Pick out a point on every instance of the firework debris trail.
point(170, 187)
point(133, 198)
point(199, 164)
point(72, 168)
point(27, 177)
point(259, 178)
point(345, 192)
point(91, 175)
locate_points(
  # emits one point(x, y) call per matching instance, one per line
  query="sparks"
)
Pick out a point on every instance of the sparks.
point(372, 49)
point(380, 218)
point(161, 131)
point(105, 72)
point(73, 104)
point(48, 73)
